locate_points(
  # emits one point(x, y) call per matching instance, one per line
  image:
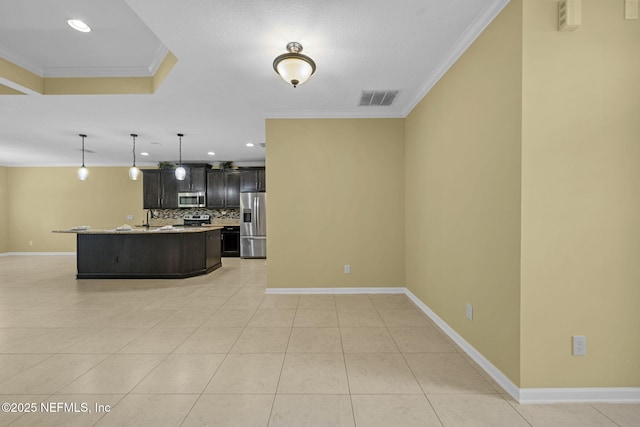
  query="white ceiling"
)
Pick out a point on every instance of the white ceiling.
point(223, 86)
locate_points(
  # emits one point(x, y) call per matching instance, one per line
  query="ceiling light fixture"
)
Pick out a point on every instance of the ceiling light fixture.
point(78, 25)
point(249, 144)
point(134, 172)
point(181, 173)
point(211, 153)
point(294, 67)
point(144, 153)
point(83, 172)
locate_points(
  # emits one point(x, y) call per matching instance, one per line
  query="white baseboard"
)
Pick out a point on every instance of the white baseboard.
point(502, 380)
point(520, 395)
point(580, 395)
point(334, 291)
point(38, 253)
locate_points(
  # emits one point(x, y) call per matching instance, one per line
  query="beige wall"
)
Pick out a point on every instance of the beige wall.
point(463, 194)
point(581, 197)
point(336, 197)
point(45, 199)
point(4, 211)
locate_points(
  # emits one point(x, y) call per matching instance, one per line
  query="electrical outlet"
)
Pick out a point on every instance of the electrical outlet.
point(129, 217)
point(631, 9)
point(347, 269)
point(579, 345)
point(469, 311)
point(30, 242)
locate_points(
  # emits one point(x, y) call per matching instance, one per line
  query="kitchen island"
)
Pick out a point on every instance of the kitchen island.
point(146, 253)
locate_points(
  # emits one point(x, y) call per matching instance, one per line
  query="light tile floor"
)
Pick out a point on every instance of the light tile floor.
point(214, 350)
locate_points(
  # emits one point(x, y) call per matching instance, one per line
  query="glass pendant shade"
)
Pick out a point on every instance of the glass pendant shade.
point(294, 67)
point(83, 173)
point(134, 173)
point(181, 173)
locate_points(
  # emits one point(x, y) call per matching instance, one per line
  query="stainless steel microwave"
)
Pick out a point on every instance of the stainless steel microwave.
point(192, 200)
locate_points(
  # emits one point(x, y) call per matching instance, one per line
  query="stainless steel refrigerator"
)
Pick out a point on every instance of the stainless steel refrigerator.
point(253, 225)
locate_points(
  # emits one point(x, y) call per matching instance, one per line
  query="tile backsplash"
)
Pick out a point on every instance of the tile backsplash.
point(174, 216)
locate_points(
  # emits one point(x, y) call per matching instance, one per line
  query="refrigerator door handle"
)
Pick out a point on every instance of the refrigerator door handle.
point(256, 201)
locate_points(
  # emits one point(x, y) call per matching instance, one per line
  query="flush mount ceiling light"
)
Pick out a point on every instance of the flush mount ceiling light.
point(78, 25)
point(83, 172)
point(181, 173)
point(249, 144)
point(134, 172)
point(294, 67)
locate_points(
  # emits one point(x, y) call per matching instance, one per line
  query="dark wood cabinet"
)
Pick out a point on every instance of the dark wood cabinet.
point(215, 189)
point(213, 250)
point(253, 180)
point(147, 255)
point(169, 185)
point(232, 187)
point(223, 189)
point(195, 181)
point(160, 190)
point(151, 189)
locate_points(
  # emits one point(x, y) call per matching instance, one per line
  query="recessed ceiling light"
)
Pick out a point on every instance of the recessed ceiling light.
point(144, 153)
point(211, 153)
point(78, 25)
point(249, 144)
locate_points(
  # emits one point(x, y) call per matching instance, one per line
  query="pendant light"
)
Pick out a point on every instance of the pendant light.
point(181, 173)
point(294, 67)
point(134, 172)
point(83, 172)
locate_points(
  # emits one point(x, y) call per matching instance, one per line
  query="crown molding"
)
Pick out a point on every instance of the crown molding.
point(20, 62)
point(82, 72)
point(472, 32)
point(161, 52)
point(74, 72)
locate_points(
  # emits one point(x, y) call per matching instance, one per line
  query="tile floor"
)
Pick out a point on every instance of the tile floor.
point(214, 350)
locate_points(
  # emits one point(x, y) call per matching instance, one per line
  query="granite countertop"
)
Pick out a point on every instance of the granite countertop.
point(234, 223)
point(177, 222)
point(140, 230)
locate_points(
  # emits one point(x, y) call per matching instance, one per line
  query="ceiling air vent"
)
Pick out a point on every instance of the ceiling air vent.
point(378, 97)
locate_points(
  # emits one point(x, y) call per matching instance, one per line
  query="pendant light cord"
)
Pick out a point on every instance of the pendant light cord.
point(134, 148)
point(83, 137)
point(180, 149)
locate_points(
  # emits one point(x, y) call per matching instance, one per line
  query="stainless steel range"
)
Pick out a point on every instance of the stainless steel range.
point(196, 220)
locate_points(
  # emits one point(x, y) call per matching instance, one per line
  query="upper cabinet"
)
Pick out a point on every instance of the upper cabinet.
point(215, 189)
point(223, 188)
point(195, 181)
point(159, 188)
point(232, 186)
point(252, 180)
